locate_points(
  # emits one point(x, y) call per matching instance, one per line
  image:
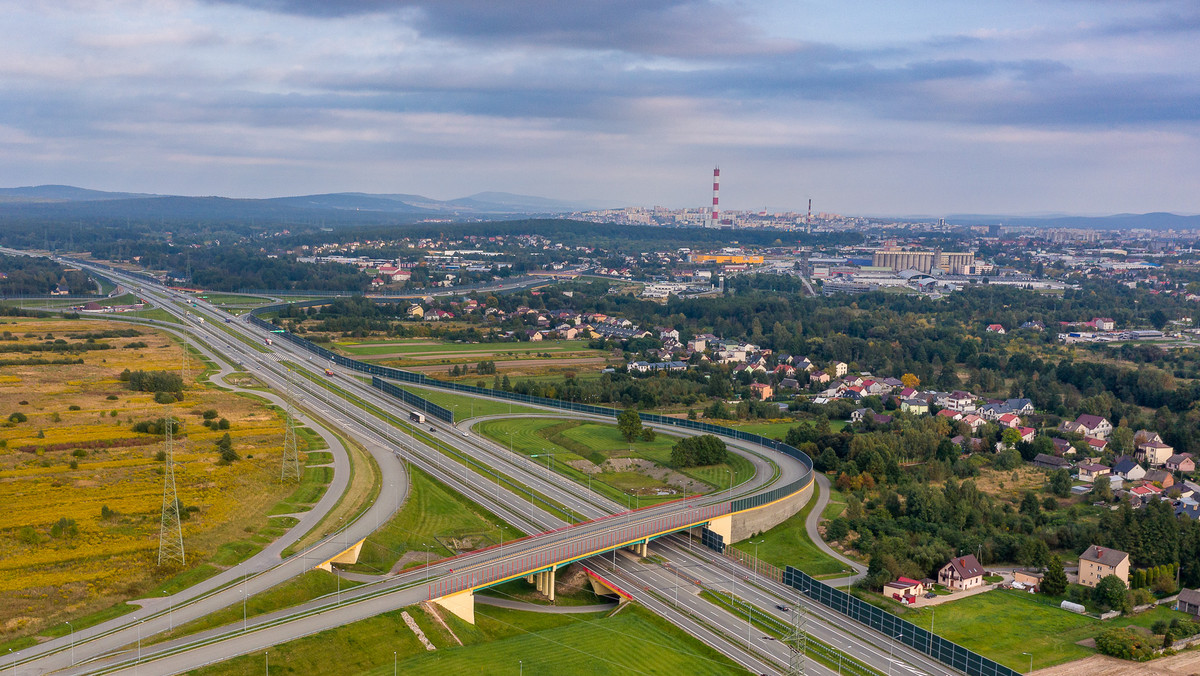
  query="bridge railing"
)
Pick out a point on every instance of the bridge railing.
point(573, 550)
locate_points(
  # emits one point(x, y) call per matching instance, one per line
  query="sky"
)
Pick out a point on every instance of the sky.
point(871, 108)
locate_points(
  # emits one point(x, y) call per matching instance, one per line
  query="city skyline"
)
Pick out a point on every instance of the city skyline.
point(1013, 108)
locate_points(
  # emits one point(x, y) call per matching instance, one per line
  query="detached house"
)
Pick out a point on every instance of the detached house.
point(1099, 562)
point(1128, 469)
point(962, 573)
point(1181, 462)
point(1089, 426)
point(1154, 453)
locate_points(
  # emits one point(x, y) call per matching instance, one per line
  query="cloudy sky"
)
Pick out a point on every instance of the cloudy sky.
point(869, 107)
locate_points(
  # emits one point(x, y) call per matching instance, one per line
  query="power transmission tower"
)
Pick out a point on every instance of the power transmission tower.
point(797, 641)
point(291, 455)
point(170, 533)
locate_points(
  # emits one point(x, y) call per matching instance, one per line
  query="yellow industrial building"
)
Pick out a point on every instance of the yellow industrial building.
point(726, 259)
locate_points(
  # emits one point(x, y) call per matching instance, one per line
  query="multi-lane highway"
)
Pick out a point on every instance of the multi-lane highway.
point(508, 484)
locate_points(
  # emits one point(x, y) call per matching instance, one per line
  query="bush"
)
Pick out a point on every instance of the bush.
point(705, 449)
point(79, 453)
point(73, 407)
point(209, 414)
point(164, 398)
point(18, 417)
point(1110, 592)
point(1125, 644)
point(225, 450)
point(648, 434)
point(64, 528)
point(837, 529)
point(152, 381)
point(28, 535)
point(74, 464)
point(223, 424)
point(106, 513)
point(112, 397)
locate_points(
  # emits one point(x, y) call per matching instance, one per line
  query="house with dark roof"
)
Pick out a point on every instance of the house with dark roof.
point(962, 573)
point(1181, 462)
point(1160, 477)
point(1128, 469)
point(1154, 453)
point(1188, 602)
point(1050, 462)
point(1096, 563)
point(1089, 471)
point(1089, 426)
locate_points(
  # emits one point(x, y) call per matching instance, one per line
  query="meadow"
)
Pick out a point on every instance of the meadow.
point(84, 488)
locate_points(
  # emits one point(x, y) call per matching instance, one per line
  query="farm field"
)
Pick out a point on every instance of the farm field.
point(619, 469)
point(524, 359)
point(788, 544)
point(1003, 624)
point(84, 488)
point(501, 642)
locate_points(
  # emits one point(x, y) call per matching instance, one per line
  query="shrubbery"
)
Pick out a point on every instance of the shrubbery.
point(1125, 644)
point(705, 449)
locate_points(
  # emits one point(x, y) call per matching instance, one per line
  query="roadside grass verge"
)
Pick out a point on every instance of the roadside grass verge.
point(433, 515)
point(788, 544)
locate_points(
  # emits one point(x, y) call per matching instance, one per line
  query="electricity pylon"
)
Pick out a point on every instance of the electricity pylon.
point(170, 533)
point(291, 455)
point(797, 641)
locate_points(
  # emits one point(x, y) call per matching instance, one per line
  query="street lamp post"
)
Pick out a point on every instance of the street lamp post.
point(139, 628)
point(730, 470)
point(170, 610)
point(756, 543)
point(890, 647)
point(394, 664)
point(1030, 662)
point(68, 623)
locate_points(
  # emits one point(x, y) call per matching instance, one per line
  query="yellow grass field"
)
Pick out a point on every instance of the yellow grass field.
point(72, 411)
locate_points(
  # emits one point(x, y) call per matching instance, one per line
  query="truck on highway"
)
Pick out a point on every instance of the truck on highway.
point(329, 372)
point(417, 416)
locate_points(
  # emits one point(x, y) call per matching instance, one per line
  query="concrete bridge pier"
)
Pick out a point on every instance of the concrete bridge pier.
point(641, 549)
point(545, 582)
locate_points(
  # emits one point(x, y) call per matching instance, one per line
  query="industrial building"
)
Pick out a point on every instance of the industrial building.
point(954, 263)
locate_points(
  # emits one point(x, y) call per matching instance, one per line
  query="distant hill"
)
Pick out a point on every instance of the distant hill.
point(63, 193)
point(36, 199)
point(1152, 221)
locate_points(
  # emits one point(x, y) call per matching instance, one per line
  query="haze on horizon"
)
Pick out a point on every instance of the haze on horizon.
point(1022, 106)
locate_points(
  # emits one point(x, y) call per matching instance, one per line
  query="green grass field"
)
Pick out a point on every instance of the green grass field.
point(571, 441)
point(416, 348)
point(1003, 624)
point(432, 516)
point(779, 430)
point(502, 642)
point(465, 407)
point(788, 544)
point(233, 299)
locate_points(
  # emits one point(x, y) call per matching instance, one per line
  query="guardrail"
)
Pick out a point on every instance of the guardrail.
point(917, 638)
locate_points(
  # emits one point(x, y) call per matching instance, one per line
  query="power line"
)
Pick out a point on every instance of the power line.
point(170, 533)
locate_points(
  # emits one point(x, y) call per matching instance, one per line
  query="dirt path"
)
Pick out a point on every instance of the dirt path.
point(1183, 664)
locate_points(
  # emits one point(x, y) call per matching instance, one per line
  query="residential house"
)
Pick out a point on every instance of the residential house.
point(1089, 471)
point(1050, 462)
point(1027, 434)
point(1189, 509)
point(1028, 578)
point(953, 416)
point(1103, 324)
point(1145, 436)
point(1188, 602)
point(1089, 426)
point(1062, 446)
point(1128, 469)
point(839, 369)
point(1097, 445)
point(1160, 477)
point(1034, 326)
point(914, 406)
point(696, 345)
point(904, 586)
point(416, 312)
point(962, 573)
point(819, 377)
point(1154, 453)
point(762, 391)
point(1010, 420)
point(1181, 462)
point(1099, 562)
point(790, 383)
point(995, 328)
point(973, 421)
point(858, 414)
point(1140, 495)
point(958, 401)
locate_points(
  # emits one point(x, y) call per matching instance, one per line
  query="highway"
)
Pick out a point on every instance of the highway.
point(110, 645)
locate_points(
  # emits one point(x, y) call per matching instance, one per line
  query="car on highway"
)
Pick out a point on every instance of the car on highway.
point(782, 608)
point(432, 430)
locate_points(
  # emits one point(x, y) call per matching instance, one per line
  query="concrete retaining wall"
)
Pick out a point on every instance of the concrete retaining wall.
point(746, 524)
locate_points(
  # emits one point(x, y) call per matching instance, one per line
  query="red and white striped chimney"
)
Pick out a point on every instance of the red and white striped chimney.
point(716, 208)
